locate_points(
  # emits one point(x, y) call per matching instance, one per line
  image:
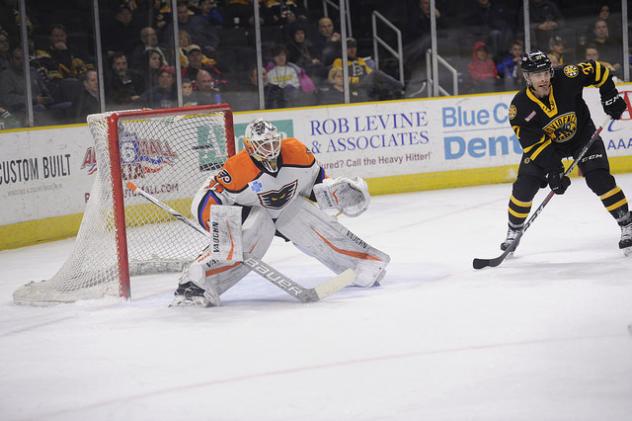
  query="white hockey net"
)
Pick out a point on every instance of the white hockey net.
point(169, 154)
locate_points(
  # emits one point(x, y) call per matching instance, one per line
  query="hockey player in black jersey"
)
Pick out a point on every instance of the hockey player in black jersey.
point(552, 121)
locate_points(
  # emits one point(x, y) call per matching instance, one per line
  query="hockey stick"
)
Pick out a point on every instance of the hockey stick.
point(482, 263)
point(305, 295)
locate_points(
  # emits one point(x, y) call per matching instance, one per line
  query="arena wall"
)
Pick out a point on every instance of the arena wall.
point(398, 146)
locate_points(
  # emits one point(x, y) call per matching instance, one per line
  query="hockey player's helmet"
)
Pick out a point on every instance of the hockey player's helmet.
point(262, 140)
point(535, 61)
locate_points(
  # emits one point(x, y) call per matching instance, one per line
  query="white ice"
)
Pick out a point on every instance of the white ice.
point(541, 337)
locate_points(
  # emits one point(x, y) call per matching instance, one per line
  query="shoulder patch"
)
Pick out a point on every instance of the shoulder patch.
point(571, 70)
point(513, 111)
point(238, 171)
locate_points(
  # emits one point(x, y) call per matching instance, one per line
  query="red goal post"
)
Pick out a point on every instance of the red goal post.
point(169, 152)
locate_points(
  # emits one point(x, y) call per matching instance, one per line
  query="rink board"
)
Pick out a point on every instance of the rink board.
point(398, 146)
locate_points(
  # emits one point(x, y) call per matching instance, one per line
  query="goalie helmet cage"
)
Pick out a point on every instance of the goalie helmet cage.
point(168, 153)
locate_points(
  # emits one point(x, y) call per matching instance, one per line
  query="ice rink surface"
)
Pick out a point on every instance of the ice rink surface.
point(541, 337)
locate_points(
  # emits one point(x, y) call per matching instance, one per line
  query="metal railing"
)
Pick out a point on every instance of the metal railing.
point(399, 54)
point(430, 76)
point(336, 6)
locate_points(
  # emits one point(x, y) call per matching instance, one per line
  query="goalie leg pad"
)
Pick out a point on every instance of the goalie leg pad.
point(215, 276)
point(321, 236)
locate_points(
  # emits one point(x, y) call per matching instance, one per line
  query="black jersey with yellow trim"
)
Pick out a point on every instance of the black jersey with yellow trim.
point(559, 123)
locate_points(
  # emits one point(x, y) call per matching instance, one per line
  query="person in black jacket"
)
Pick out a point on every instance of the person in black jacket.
point(552, 122)
point(88, 101)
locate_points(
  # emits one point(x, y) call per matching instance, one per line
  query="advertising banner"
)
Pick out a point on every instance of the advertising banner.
point(49, 172)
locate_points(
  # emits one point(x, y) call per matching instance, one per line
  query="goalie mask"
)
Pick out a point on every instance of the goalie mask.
point(263, 143)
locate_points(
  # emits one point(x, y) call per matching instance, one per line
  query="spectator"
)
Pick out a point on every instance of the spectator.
point(210, 13)
point(556, 51)
point(282, 12)
point(207, 92)
point(203, 29)
point(334, 93)
point(121, 32)
point(88, 101)
point(288, 84)
point(152, 65)
point(546, 19)
point(365, 78)
point(359, 68)
point(13, 87)
point(124, 84)
point(164, 95)
point(327, 41)
point(8, 21)
point(244, 92)
point(613, 21)
point(59, 60)
point(5, 53)
point(481, 69)
point(489, 20)
point(149, 40)
point(7, 120)
point(301, 51)
point(198, 61)
point(609, 49)
point(185, 41)
point(508, 67)
point(153, 13)
point(417, 35)
point(200, 33)
point(591, 52)
point(188, 97)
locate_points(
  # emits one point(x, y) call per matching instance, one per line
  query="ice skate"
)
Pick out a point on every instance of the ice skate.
point(512, 233)
point(625, 243)
point(189, 294)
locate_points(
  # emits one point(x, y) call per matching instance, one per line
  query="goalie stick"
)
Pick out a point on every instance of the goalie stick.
point(305, 295)
point(483, 263)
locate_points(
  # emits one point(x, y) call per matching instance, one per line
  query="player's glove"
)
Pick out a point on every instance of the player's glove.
point(558, 182)
point(613, 104)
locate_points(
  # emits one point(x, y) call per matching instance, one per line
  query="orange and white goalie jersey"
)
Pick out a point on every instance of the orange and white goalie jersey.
point(244, 183)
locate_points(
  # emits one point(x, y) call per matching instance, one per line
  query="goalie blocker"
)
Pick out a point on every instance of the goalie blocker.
point(271, 182)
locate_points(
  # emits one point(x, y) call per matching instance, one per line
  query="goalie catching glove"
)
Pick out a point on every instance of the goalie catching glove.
point(348, 195)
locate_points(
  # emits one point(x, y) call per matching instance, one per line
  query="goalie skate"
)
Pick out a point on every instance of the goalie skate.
point(191, 295)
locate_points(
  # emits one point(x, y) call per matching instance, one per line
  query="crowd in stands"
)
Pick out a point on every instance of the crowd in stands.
point(302, 52)
point(491, 33)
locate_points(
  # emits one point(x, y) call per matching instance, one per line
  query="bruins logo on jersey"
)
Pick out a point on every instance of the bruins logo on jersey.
point(278, 198)
point(513, 111)
point(561, 128)
point(571, 70)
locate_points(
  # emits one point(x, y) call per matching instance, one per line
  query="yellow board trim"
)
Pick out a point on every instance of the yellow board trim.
point(610, 193)
point(55, 228)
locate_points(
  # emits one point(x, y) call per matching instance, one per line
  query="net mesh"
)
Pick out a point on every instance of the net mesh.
point(167, 155)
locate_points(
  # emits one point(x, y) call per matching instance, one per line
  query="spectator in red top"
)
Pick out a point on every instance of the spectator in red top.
point(482, 69)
